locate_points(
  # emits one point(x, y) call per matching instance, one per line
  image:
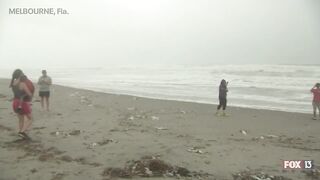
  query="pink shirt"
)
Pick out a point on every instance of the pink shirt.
point(316, 95)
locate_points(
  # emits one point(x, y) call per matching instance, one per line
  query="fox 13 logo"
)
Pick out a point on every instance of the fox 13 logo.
point(297, 164)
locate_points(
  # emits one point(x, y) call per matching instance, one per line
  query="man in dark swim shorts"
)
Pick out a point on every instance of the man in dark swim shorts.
point(44, 89)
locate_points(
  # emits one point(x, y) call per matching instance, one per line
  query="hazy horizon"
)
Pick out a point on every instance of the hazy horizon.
point(98, 34)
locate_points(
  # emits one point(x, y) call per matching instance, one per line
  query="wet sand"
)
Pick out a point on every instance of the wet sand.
point(92, 135)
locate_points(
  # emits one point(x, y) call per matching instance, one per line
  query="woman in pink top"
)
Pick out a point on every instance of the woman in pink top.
point(316, 100)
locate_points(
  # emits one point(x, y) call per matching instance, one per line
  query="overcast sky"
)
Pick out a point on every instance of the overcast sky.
point(100, 33)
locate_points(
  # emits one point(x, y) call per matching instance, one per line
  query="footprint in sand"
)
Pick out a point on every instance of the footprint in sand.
point(163, 147)
point(34, 170)
point(58, 176)
point(5, 128)
point(38, 128)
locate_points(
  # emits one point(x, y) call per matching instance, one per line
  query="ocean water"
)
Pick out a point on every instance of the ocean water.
point(275, 87)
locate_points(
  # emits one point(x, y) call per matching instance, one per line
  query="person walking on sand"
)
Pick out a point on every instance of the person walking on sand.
point(23, 93)
point(44, 83)
point(316, 100)
point(222, 97)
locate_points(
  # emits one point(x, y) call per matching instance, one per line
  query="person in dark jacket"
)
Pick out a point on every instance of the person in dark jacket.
point(222, 97)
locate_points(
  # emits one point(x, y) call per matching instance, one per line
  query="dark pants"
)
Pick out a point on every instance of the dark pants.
point(222, 103)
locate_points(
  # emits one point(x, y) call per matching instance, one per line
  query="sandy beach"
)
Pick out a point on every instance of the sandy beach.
point(92, 135)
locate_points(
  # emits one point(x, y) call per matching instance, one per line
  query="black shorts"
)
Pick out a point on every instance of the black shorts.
point(44, 93)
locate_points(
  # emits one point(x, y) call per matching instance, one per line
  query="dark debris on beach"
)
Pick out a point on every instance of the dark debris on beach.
point(256, 175)
point(150, 166)
point(313, 174)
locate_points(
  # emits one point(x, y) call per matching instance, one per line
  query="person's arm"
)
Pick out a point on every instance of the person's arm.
point(312, 89)
point(224, 89)
point(227, 86)
point(49, 81)
point(40, 81)
point(46, 80)
point(16, 82)
point(26, 89)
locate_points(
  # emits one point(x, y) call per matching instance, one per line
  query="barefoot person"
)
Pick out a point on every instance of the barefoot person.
point(44, 89)
point(316, 100)
point(222, 97)
point(21, 102)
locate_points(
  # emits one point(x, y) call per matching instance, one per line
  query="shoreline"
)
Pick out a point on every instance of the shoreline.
point(177, 100)
point(186, 101)
point(86, 133)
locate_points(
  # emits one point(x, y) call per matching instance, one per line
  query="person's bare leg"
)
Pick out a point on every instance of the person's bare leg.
point(21, 122)
point(42, 103)
point(27, 122)
point(314, 110)
point(47, 103)
point(319, 110)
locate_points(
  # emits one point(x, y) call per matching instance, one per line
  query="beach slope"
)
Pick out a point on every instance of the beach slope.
point(92, 135)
